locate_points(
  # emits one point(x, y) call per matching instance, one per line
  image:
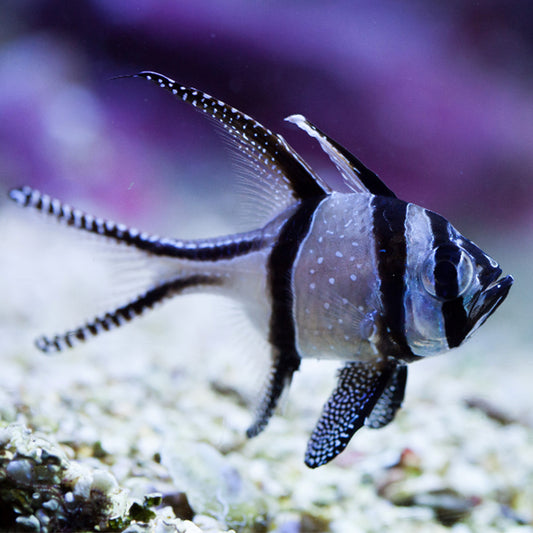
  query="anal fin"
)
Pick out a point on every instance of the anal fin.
point(359, 388)
point(280, 377)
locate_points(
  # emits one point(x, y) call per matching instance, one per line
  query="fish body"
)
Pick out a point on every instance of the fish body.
point(360, 276)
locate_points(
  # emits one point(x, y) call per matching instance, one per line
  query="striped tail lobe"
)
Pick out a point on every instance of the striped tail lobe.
point(121, 315)
point(194, 250)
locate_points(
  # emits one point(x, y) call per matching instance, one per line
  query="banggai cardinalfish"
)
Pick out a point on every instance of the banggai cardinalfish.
point(358, 276)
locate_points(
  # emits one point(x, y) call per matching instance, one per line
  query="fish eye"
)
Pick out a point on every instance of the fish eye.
point(447, 272)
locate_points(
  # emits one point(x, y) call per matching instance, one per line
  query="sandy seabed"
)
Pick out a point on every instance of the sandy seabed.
point(162, 404)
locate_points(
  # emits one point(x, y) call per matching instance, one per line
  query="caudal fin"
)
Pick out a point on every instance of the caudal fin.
point(123, 314)
point(194, 250)
point(31, 198)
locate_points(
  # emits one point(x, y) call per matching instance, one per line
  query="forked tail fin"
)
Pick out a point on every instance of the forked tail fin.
point(123, 314)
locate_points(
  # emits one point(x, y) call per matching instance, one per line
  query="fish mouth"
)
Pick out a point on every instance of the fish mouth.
point(490, 298)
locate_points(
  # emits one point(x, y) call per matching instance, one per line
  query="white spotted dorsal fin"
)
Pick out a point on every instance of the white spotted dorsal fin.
point(357, 176)
point(272, 171)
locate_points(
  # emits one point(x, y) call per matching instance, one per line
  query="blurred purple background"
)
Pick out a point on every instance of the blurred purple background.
point(437, 97)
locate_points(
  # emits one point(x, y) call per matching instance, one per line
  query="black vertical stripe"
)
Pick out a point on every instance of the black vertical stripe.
point(447, 259)
point(456, 323)
point(282, 328)
point(389, 215)
point(282, 334)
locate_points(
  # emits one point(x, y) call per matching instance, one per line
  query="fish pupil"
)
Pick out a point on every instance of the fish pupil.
point(445, 274)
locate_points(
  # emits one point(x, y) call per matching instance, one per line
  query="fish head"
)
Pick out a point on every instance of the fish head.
point(454, 288)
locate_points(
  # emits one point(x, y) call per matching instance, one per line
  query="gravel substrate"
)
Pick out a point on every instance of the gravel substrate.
point(161, 407)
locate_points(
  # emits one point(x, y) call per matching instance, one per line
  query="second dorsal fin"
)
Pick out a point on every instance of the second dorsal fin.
point(356, 175)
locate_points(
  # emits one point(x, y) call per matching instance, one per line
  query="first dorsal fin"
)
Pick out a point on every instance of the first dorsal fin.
point(356, 175)
point(261, 155)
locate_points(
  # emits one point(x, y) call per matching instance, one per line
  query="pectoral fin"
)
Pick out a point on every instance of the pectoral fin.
point(358, 392)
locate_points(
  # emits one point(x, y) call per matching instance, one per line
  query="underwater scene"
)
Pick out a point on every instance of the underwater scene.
point(322, 346)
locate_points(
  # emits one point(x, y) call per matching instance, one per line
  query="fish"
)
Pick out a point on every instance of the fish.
point(355, 275)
